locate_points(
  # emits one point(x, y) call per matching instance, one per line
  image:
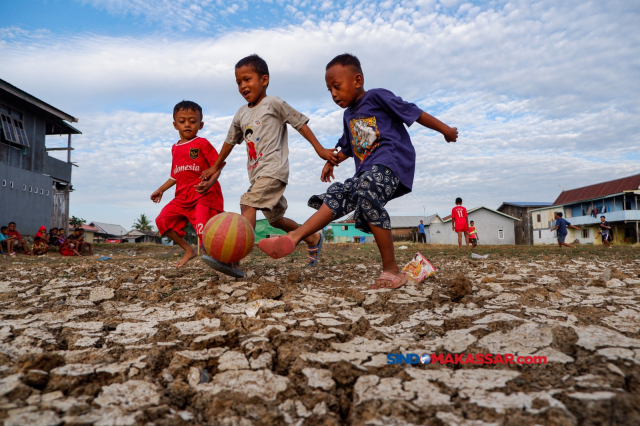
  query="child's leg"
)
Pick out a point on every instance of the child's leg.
point(315, 223)
point(173, 217)
point(459, 238)
point(466, 237)
point(288, 225)
point(249, 213)
point(384, 241)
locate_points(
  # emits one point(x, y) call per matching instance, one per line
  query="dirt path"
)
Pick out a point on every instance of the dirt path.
point(132, 340)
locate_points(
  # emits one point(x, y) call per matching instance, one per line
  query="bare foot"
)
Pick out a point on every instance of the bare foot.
point(188, 255)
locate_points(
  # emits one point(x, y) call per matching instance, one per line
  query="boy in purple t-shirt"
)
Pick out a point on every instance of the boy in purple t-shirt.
point(375, 136)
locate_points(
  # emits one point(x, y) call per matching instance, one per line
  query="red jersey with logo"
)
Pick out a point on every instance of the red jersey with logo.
point(459, 217)
point(190, 159)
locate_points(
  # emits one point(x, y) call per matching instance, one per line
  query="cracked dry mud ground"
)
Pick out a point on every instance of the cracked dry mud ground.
point(135, 341)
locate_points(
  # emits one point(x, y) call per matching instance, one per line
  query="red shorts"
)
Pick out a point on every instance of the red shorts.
point(462, 228)
point(175, 216)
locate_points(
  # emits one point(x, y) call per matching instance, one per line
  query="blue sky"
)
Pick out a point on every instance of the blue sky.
point(543, 93)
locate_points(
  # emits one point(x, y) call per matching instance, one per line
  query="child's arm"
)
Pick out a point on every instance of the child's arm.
point(554, 228)
point(327, 170)
point(157, 194)
point(217, 166)
point(330, 155)
point(450, 133)
point(574, 227)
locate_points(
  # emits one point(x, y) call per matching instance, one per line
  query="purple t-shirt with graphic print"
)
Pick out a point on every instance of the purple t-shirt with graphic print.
point(374, 133)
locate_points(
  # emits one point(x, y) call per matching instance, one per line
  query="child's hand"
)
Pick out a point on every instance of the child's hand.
point(451, 135)
point(327, 172)
point(330, 155)
point(212, 174)
point(205, 185)
point(157, 196)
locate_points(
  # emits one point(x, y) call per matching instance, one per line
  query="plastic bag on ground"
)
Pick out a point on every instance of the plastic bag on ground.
point(479, 256)
point(419, 268)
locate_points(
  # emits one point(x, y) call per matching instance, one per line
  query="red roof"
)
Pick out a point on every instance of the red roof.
point(86, 228)
point(599, 190)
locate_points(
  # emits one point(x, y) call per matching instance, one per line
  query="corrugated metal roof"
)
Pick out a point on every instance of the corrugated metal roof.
point(410, 221)
point(527, 203)
point(109, 229)
point(139, 232)
point(10, 88)
point(599, 190)
point(469, 211)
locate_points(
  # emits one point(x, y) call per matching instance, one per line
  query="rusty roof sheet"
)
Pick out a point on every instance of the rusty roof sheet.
point(598, 190)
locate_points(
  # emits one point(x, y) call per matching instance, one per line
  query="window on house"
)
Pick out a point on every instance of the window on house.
point(501, 234)
point(540, 233)
point(539, 218)
point(520, 214)
point(627, 205)
point(20, 132)
point(12, 127)
point(344, 228)
point(627, 232)
point(585, 233)
point(8, 131)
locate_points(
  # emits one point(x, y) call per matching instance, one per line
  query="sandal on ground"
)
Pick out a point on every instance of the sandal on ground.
point(389, 280)
point(230, 269)
point(314, 252)
point(277, 247)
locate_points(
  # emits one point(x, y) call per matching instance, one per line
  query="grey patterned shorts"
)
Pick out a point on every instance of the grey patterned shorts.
point(365, 194)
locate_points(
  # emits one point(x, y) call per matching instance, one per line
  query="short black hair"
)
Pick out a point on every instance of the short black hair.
point(458, 200)
point(11, 223)
point(52, 229)
point(187, 106)
point(81, 229)
point(559, 214)
point(249, 130)
point(77, 229)
point(471, 222)
point(254, 61)
point(603, 216)
point(3, 228)
point(346, 60)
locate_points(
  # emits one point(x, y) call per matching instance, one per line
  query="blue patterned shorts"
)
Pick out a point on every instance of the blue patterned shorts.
point(365, 194)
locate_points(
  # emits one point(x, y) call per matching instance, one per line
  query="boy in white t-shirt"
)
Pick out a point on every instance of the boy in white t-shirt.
point(262, 125)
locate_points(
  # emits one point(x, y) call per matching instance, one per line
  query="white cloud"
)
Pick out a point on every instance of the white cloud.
point(543, 94)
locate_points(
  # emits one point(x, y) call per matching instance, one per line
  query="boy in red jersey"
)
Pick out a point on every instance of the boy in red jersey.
point(460, 222)
point(191, 156)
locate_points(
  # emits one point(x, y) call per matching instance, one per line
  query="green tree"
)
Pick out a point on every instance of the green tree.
point(76, 222)
point(143, 223)
point(328, 234)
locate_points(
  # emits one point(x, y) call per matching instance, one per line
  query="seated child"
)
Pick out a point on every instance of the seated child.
point(7, 241)
point(18, 240)
point(375, 136)
point(43, 234)
point(61, 237)
point(261, 124)
point(68, 248)
point(39, 247)
point(191, 155)
point(53, 237)
point(85, 245)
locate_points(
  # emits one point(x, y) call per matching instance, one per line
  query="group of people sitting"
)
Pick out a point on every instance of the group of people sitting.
point(72, 245)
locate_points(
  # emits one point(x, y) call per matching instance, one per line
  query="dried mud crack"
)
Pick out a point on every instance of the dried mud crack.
point(133, 341)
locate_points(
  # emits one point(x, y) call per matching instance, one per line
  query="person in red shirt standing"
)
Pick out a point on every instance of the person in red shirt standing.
point(191, 156)
point(460, 221)
point(18, 241)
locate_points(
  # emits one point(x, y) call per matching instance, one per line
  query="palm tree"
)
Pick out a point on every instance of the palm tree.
point(143, 223)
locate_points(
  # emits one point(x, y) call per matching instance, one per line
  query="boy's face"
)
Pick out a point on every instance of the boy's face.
point(187, 123)
point(251, 86)
point(12, 227)
point(345, 84)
